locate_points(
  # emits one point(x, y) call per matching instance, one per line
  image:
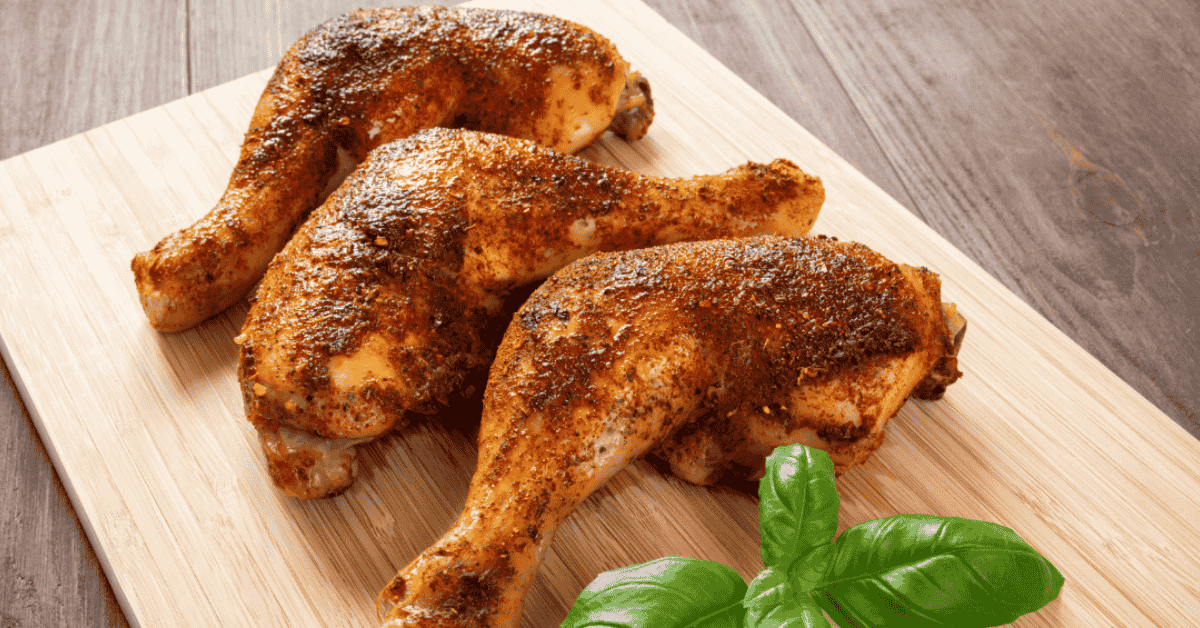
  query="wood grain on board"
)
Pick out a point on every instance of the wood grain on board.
point(1055, 146)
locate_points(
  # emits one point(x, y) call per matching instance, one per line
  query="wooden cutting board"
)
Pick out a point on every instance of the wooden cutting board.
point(148, 435)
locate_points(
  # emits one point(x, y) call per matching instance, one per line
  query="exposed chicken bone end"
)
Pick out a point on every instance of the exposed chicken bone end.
point(635, 110)
point(305, 466)
point(946, 372)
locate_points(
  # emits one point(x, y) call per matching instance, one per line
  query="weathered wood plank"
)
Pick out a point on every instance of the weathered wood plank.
point(1057, 145)
point(49, 575)
point(771, 48)
point(68, 67)
point(72, 66)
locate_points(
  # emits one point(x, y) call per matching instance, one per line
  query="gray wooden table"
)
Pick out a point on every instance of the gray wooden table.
point(1057, 144)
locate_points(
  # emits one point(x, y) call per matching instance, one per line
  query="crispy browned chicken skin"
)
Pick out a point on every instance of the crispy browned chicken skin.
point(738, 345)
point(380, 304)
point(364, 79)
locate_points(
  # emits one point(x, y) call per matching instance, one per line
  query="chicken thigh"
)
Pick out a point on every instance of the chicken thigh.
point(712, 353)
point(364, 79)
point(381, 303)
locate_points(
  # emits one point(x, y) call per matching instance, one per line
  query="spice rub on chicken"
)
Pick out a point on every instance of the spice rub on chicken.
point(364, 79)
point(378, 306)
point(709, 354)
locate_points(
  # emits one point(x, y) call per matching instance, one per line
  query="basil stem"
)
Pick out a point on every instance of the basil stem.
point(673, 592)
point(912, 571)
point(798, 504)
point(772, 601)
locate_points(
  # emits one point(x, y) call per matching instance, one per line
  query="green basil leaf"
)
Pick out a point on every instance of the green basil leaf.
point(918, 570)
point(674, 592)
point(772, 601)
point(798, 504)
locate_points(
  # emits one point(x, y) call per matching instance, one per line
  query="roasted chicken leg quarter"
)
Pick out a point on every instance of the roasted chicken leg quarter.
point(709, 353)
point(382, 302)
point(364, 79)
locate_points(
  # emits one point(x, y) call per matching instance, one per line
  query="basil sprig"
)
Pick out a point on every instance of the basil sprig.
point(905, 571)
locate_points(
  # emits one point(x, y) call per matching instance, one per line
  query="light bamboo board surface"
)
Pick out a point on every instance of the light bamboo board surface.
point(147, 432)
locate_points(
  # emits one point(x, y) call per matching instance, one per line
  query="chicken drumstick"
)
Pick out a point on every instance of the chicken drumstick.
point(364, 79)
point(379, 304)
point(622, 353)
